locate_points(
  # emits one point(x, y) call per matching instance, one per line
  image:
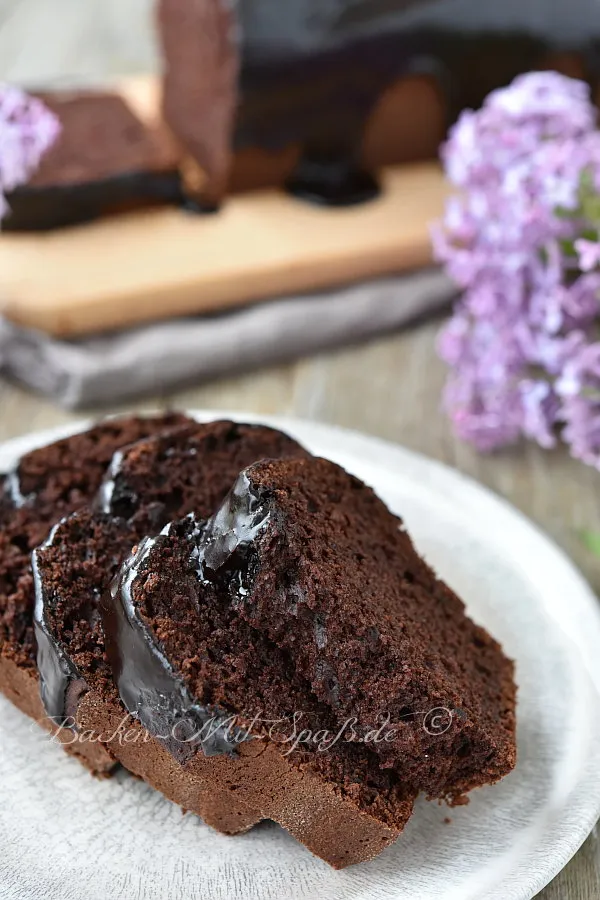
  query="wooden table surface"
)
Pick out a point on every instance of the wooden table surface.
point(389, 388)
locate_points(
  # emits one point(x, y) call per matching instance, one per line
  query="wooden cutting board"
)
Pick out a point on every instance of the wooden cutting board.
point(165, 262)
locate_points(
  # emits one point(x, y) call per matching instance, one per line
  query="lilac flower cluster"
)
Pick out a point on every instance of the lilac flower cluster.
point(27, 130)
point(522, 241)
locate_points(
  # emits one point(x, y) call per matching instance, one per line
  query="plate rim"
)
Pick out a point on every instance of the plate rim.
point(588, 610)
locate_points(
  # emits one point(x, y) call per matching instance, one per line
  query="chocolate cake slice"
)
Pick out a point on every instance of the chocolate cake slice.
point(45, 485)
point(106, 159)
point(282, 755)
point(303, 615)
point(148, 483)
point(70, 571)
point(199, 40)
point(313, 559)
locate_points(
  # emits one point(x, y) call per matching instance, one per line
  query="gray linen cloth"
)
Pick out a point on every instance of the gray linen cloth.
point(154, 358)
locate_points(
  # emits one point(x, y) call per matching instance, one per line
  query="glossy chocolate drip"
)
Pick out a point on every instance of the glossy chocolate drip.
point(12, 488)
point(335, 181)
point(56, 206)
point(223, 552)
point(304, 97)
point(199, 207)
point(322, 98)
point(149, 688)
point(322, 101)
point(108, 501)
point(57, 671)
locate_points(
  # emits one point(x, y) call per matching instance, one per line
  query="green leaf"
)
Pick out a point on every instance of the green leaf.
point(589, 200)
point(591, 539)
point(590, 206)
point(568, 247)
point(562, 212)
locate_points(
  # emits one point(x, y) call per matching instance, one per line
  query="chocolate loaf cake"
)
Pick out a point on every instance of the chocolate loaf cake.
point(45, 485)
point(106, 159)
point(321, 98)
point(148, 483)
point(304, 595)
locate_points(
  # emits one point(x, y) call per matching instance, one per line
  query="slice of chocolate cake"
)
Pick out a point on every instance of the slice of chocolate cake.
point(247, 723)
point(45, 485)
point(227, 615)
point(312, 558)
point(148, 483)
point(68, 473)
point(106, 159)
point(70, 571)
point(200, 90)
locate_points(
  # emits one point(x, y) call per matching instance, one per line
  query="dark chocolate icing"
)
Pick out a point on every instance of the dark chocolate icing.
point(149, 688)
point(322, 97)
point(57, 671)
point(12, 489)
point(333, 181)
point(58, 206)
point(223, 552)
point(227, 535)
point(109, 500)
point(199, 207)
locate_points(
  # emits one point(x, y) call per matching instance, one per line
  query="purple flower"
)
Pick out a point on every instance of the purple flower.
point(540, 407)
point(588, 253)
point(27, 130)
point(520, 240)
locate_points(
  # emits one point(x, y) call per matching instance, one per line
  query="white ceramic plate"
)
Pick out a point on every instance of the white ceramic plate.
point(64, 835)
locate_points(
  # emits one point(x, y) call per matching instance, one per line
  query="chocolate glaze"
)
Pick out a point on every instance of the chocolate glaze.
point(149, 688)
point(199, 207)
point(57, 671)
point(333, 181)
point(222, 551)
point(106, 494)
point(241, 516)
point(12, 488)
point(321, 97)
point(57, 206)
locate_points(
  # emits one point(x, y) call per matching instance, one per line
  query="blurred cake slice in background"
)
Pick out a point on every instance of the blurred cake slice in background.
point(107, 158)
